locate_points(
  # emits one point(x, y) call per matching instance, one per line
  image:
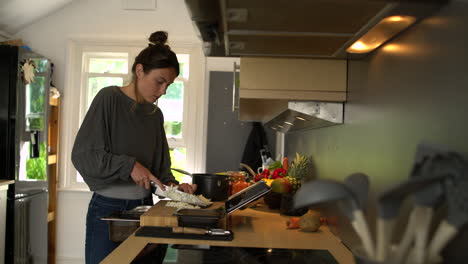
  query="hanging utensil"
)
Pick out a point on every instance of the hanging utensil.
point(428, 199)
point(426, 161)
point(389, 203)
point(457, 202)
point(359, 185)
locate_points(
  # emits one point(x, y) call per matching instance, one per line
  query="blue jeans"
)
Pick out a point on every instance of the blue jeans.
point(98, 245)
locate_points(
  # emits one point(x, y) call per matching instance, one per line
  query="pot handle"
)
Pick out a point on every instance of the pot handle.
point(249, 169)
point(182, 171)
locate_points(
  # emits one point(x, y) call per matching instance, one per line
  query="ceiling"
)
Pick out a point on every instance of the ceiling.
point(17, 14)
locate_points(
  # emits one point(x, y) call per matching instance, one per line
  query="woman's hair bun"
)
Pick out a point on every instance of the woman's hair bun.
point(158, 37)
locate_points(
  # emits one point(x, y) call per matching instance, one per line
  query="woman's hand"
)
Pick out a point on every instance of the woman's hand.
point(188, 188)
point(142, 176)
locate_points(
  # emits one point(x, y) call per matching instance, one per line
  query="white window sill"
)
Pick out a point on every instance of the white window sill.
point(74, 189)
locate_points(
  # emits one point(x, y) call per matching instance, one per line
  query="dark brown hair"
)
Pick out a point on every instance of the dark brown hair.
point(157, 55)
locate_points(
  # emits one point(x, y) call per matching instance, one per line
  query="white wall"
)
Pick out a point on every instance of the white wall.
point(99, 20)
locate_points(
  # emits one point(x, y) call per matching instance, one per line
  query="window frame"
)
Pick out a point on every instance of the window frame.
point(85, 75)
point(74, 110)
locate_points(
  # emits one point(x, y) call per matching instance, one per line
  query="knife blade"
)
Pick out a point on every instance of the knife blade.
point(201, 231)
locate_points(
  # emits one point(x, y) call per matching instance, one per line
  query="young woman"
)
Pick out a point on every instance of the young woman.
point(121, 145)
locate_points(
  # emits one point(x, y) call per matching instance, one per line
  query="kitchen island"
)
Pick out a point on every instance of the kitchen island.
point(254, 227)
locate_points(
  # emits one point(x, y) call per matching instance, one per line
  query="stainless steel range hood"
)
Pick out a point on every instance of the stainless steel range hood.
point(302, 115)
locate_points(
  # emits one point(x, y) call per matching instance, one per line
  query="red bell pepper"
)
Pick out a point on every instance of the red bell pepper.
point(278, 173)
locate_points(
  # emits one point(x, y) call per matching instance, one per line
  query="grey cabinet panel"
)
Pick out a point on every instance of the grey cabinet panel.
point(226, 134)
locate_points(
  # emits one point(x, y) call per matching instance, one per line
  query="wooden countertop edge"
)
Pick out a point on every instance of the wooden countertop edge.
point(6, 183)
point(325, 240)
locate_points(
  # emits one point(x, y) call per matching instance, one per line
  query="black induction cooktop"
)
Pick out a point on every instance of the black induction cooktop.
point(231, 255)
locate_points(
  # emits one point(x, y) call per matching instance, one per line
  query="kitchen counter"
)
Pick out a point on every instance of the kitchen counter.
point(258, 227)
point(4, 184)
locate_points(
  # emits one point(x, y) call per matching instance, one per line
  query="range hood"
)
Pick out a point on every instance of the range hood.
point(299, 28)
point(302, 115)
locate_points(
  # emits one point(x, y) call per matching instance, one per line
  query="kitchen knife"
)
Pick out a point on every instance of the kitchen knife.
point(201, 231)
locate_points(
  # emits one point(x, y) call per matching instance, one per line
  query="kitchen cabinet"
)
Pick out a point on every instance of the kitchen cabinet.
point(222, 123)
point(267, 84)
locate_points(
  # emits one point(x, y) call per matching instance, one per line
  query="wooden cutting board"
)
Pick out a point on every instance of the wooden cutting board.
point(162, 215)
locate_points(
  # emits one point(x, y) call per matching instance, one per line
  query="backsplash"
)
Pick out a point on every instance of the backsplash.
point(414, 89)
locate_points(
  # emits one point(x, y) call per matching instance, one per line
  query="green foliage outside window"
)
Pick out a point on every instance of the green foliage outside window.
point(36, 168)
point(97, 83)
point(175, 91)
point(173, 128)
point(108, 66)
point(36, 92)
point(181, 69)
point(41, 65)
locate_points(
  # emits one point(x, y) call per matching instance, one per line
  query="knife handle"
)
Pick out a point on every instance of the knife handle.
point(189, 230)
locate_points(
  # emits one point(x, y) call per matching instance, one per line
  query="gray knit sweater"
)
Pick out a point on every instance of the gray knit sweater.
point(115, 133)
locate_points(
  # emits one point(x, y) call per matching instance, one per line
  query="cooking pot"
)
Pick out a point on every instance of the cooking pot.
point(212, 186)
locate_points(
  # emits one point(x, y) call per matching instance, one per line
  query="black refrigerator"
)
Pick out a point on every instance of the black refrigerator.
point(24, 100)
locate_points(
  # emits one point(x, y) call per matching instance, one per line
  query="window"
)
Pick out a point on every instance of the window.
point(172, 105)
point(102, 69)
point(102, 66)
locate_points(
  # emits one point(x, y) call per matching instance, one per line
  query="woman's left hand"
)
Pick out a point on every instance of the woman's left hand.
point(188, 188)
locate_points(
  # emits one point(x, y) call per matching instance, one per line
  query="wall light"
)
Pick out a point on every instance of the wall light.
point(381, 32)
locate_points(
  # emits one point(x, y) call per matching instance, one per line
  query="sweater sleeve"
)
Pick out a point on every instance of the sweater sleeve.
point(165, 174)
point(91, 154)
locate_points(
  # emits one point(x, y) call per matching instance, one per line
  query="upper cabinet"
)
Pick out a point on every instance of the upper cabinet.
point(267, 85)
point(293, 79)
